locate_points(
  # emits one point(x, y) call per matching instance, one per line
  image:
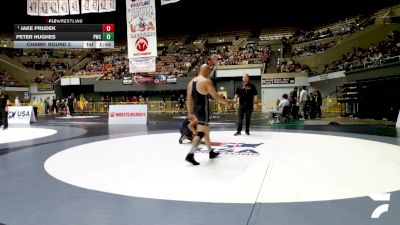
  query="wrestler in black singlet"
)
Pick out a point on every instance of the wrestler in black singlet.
point(200, 105)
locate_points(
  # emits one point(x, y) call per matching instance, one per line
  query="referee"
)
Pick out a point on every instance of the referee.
point(247, 97)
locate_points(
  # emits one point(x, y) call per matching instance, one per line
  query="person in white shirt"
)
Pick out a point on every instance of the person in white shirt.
point(17, 103)
point(303, 98)
point(279, 110)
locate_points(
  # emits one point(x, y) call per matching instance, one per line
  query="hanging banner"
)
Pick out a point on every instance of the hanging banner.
point(107, 5)
point(68, 7)
point(141, 28)
point(103, 7)
point(94, 6)
point(144, 64)
point(33, 7)
point(85, 6)
point(43, 7)
point(63, 7)
point(74, 7)
point(111, 5)
point(53, 8)
point(164, 2)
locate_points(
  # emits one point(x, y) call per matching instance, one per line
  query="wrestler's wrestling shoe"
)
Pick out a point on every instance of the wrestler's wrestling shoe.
point(190, 158)
point(213, 154)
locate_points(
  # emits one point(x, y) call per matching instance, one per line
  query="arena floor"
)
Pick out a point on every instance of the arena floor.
point(82, 171)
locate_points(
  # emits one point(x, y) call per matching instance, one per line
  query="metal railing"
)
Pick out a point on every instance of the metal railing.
point(350, 66)
point(153, 107)
point(330, 107)
point(373, 63)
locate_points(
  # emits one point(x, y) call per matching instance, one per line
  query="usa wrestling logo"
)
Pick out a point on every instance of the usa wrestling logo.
point(232, 148)
point(11, 114)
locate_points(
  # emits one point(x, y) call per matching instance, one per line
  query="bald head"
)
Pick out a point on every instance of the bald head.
point(205, 70)
point(246, 78)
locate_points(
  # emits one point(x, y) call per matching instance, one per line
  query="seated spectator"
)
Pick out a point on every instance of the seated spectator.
point(374, 55)
point(6, 79)
point(279, 109)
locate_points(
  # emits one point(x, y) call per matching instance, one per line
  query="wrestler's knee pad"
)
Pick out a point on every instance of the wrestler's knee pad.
point(200, 134)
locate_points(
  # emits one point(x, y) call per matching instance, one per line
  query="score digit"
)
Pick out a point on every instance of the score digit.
point(108, 37)
point(108, 27)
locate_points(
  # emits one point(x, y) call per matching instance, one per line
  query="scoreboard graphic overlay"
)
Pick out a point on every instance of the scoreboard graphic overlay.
point(64, 36)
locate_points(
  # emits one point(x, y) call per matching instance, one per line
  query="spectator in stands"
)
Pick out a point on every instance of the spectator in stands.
point(318, 103)
point(311, 105)
point(38, 80)
point(53, 104)
point(35, 104)
point(303, 98)
point(293, 103)
point(4, 104)
point(46, 105)
point(221, 107)
point(174, 99)
point(295, 90)
point(57, 105)
point(62, 108)
point(16, 101)
point(70, 104)
point(245, 102)
point(227, 108)
point(82, 103)
point(181, 101)
point(163, 105)
point(279, 109)
point(373, 56)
